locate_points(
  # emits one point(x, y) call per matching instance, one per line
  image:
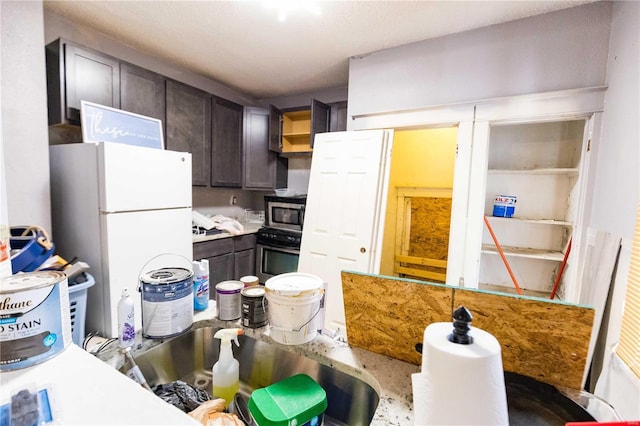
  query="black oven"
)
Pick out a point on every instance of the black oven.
point(277, 252)
point(278, 242)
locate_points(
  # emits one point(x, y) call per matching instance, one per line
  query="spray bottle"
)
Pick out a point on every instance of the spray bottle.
point(200, 284)
point(126, 327)
point(226, 372)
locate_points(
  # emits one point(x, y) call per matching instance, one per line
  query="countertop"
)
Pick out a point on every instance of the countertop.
point(390, 378)
point(248, 228)
point(85, 391)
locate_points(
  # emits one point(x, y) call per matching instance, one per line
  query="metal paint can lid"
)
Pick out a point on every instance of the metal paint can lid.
point(31, 280)
point(253, 291)
point(166, 276)
point(229, 287)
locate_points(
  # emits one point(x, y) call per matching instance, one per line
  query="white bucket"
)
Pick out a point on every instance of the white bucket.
point(294, 304)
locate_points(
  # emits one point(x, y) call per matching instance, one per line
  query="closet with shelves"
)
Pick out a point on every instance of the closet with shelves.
point(539, 163)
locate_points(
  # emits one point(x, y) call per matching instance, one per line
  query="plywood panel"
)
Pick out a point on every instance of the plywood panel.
point(543, 339)
point(388, 316)
point(430, 221)
point(546, 340)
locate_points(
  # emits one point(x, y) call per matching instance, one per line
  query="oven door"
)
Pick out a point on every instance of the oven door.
point(272, 261)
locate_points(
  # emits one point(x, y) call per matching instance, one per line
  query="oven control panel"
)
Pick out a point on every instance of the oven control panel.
point(273, 236)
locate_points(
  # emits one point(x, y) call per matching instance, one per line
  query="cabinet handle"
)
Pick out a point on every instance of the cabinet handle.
point(363, 250)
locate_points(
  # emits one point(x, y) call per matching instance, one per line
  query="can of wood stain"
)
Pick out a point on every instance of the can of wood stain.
point(254, 307)
point(35, 321)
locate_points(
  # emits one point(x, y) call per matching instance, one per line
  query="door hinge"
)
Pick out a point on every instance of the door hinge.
point(589, 145)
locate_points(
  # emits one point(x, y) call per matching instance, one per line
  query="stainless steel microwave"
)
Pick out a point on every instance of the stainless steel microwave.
point(286, 213)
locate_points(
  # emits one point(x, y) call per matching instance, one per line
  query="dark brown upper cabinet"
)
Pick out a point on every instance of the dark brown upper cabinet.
point(75, 73)
point(320, 119)
point(142, 91)
point(263, 168)
point(338, 116)
point(292, 131)
point(189, 127)
point(226, 143)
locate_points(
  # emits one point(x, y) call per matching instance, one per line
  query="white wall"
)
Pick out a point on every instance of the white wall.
point(560, 50)
point(24, 114)
point(618, 188)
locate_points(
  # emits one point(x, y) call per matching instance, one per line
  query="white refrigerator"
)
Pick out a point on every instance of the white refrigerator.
point(124, 210)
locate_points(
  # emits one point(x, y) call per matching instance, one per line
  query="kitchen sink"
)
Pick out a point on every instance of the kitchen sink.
point(190, 357)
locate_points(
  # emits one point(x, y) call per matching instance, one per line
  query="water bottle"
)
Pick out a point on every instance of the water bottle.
point(126, 326)
point(200, 284)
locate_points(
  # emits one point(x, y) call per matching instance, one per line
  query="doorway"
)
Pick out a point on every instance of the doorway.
point(416, 231)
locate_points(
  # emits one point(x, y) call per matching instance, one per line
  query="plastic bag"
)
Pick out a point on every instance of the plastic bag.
point(182, 395)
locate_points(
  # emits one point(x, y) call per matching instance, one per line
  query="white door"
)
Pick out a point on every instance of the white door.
point(345, 211)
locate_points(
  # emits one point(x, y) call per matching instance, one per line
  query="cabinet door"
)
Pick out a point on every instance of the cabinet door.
point(226, 143)
point(245, 263)
point(219, 253)
point(189, 127)
point(89, 76)
point(221, 268)
point(320, 118)
point(275, 129)
point(142, 91)
point(259, 162)
point(338, 122)
point(245, 257)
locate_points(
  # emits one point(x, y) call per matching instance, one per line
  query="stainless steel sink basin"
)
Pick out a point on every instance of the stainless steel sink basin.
point(190, 357)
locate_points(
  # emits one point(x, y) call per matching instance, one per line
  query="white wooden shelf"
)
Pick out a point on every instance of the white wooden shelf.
point(529, 253)
point(552, 222)
point(546, 171)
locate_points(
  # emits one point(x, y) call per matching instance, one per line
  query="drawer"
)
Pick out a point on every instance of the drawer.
point(212, 248)
point(245, 242)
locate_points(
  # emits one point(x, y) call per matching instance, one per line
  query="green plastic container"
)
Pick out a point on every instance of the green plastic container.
point(295, 401)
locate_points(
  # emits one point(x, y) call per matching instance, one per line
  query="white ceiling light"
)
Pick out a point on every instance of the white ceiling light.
point(286, 8)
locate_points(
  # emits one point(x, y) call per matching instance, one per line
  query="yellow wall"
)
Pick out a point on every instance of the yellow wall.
point(420, 158)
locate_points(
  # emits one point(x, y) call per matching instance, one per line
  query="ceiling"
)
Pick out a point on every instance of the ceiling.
point(265, 50)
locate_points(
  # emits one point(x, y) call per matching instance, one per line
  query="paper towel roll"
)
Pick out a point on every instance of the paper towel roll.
point(460, 384)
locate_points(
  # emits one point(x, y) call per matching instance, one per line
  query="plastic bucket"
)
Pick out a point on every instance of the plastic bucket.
point(294, 304)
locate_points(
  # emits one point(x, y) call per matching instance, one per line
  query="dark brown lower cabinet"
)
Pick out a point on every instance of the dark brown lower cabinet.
point(229, 258)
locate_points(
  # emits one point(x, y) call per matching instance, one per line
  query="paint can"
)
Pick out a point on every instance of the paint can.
point(228, 300)
point(254, 307)
point(167, 302)
point(504, 205)
point(35, 322)
point(249, 280)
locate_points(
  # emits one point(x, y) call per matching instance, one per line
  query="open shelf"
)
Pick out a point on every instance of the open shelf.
point(539, 164)
point(530, 253)
point(296, 132)
point(551, 222)
point(546, 171)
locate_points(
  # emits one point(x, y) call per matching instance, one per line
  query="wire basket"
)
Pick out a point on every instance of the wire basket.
point(78, 308)
point(254, 216)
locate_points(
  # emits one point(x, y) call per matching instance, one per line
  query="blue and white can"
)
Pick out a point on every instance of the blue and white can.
point(35, 321)
point(504, 205)
point(167, 302)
